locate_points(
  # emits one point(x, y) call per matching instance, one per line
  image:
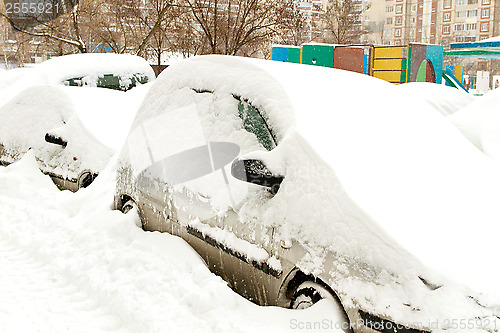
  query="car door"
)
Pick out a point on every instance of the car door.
point(222, 211)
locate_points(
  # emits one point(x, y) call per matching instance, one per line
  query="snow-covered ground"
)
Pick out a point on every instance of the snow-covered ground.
point(68, 263)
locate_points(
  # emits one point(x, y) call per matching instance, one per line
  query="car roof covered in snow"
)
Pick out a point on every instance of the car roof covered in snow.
point(77, 65)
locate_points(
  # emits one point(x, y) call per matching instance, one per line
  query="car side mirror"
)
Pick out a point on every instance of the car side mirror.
point(256, 172)
point(57, 140)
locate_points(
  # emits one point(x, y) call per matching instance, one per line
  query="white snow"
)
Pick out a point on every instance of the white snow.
point(371, 173)
point(70, 263)
point(480, 121)
point(446, 100)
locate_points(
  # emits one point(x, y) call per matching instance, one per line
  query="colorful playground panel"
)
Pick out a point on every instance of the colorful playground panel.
point(317, 54)
point(286, 53)
point(389, 63)
point(426, 63)
point(396, 64)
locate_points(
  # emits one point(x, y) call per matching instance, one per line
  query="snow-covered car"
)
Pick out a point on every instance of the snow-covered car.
point(73, 132)
point(105, 70)
point(233, 156)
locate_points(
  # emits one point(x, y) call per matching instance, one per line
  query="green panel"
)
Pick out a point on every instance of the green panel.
point(294, 55)
point(403, 71)
point(318, 54)
point(422, 72)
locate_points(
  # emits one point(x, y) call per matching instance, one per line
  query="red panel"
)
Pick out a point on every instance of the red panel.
point(349, 58)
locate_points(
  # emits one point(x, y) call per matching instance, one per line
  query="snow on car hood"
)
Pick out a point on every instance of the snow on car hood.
point(400, 160)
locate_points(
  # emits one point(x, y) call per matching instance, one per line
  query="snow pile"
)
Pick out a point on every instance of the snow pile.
point(480, 123)
point(70, 263)
point(446, 100)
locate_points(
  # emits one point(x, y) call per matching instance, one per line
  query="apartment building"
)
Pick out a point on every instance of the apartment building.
point(399, 22)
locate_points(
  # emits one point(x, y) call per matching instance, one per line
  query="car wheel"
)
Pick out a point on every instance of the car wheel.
point(309, 293)
point(86, 179)
point(128, 206)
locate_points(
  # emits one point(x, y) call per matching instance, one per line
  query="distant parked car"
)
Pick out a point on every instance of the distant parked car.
point(102, 70)
point(214, 156)
point(73, 132)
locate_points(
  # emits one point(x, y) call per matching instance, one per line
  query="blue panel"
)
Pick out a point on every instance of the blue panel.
point(473, 44)
point(365, 65)
point(280, 53)
point(435, 55)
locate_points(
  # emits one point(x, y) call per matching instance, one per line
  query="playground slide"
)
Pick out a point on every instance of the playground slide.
point(452, 80)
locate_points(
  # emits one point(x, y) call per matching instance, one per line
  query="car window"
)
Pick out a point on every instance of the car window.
point(254, 123)
point(110, 81)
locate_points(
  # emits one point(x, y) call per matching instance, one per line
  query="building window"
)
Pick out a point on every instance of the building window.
point(472, 13)
point(461, 2)
point(397, 32)
point(412, 32)
point(447, 3)
point(459, 27)
point(414, 8)
point(486, 2)
point(387, 42)
point(472, 2)
point(485, 13)
point(446, 29)
point(461, 13)
point(389, 20)
point(446, 16)
point(445, 41)
point(389, 9)
point(399, 9)
point(485, 26)
point(367, 18)
point(470, 26)
point(413, 20)
point(483, 37)
point(399, 20)
point(397, 42)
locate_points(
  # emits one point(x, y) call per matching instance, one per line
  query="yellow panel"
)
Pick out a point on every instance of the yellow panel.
point(388, 52)
point(391, 76)
point(394, 64)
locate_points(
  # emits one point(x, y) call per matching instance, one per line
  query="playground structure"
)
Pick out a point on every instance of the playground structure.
point(396, 64)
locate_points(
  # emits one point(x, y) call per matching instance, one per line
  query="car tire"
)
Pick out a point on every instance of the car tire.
point(128, 206)
point(309, 293)
point(86, 179)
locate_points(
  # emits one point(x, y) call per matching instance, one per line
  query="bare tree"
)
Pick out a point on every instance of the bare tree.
point(343, 21)
point(294, 25)
point(235, 27)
